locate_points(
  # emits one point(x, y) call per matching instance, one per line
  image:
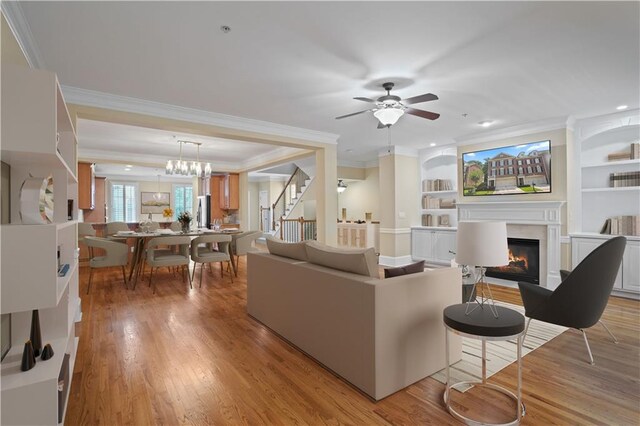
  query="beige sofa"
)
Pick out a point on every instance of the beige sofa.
point(379, 335)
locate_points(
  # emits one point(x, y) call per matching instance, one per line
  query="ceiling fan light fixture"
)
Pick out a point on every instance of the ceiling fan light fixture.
point(341, 186)
point(388, 116)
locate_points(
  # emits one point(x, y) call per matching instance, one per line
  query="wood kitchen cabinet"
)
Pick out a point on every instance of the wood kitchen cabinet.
point(230, 192)
point(86, 186)
point(225, 194)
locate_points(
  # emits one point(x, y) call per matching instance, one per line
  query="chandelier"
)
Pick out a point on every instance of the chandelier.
point(188, 168)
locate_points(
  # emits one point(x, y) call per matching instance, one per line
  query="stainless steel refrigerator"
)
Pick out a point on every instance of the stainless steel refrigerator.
point(203, 215)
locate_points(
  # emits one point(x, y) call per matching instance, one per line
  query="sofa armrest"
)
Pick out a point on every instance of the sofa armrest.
point(409, 331)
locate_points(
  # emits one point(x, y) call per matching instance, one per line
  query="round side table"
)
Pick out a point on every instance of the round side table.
point(482, 325)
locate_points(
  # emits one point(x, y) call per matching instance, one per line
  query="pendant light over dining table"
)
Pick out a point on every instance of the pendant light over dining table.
point(188, 168)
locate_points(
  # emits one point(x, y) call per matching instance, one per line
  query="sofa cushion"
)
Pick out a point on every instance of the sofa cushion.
point(284, 249)
point(413, 268)
point(357, 261)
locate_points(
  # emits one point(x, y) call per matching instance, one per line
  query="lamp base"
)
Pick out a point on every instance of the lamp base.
point(481, 297)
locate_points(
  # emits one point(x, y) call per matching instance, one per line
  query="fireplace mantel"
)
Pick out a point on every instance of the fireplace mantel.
point(540, 213)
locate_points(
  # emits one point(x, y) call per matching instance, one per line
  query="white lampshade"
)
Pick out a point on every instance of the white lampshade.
point(482, 243)
point(388, 116)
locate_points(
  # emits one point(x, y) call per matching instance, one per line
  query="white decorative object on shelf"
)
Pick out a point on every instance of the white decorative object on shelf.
point(36, 201)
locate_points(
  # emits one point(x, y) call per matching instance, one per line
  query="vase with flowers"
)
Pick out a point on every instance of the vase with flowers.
point(167, 213)
point(185, 219)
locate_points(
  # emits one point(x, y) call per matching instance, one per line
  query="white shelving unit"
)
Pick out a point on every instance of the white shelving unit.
point(440, 164)
point(38, 140)
point(434, 243)
point(595, 200)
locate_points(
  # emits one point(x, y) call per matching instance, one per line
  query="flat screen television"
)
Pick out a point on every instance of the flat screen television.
point(508, 170)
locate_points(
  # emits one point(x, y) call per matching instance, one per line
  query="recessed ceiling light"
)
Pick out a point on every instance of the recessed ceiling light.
point(225, 29)
point(432, 144)
point(621, 107)
point(348, 150)
point(486, 123)
point(128, 165)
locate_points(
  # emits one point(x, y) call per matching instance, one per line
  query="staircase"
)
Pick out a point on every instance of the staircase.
point(289, 198)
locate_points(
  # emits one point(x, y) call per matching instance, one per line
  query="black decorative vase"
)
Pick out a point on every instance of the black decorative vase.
point(47, 352)
point(36, 335)
point(28, 358)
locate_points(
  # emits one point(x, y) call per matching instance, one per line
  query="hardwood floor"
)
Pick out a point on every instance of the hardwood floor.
point(186, 356)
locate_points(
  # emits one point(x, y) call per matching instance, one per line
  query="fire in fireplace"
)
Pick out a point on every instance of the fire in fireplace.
point(524, 262)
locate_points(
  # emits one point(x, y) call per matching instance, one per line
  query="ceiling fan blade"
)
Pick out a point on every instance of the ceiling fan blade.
point(359, 98)
point(421, 98)
point(353, 113)
point(420, 113)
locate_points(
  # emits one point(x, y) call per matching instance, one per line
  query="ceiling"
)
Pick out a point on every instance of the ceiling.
point(301, 63)
point(108, 142)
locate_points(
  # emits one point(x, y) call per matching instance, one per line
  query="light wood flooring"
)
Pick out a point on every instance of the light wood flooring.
point(186, 356)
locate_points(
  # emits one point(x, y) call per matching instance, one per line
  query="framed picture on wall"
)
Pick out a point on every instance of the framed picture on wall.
point(154, 202)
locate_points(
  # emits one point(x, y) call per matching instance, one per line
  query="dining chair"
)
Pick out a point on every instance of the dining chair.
point(203, 252)
point(243, 243)
point(115, 227)
point(86, 230)
point(116, 254)
point(160, 257)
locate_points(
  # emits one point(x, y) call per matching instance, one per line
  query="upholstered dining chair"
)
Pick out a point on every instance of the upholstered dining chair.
point(161, 257)
point(202, 252)
point(86, 230)
point(115, 227)
point(580, 299)
point(243, 243)
point(116, 254)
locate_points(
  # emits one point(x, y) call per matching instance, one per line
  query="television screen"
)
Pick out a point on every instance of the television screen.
point(516, 169)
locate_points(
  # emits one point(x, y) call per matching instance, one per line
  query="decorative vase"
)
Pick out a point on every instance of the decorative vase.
point(185, 227)
point(36, 201)
point(28, 358)
point(367, 217)
point(344, 214)
point(47, 352)
point(36, 335)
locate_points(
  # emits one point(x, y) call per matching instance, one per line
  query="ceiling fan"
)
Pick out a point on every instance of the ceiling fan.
point(389, 108)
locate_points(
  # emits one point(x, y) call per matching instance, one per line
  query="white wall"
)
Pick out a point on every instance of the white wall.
point(362, 196)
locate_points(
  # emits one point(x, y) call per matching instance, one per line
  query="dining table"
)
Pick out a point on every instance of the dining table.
point(142, 237)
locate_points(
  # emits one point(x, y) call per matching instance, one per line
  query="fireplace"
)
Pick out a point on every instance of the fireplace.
point(524, 262)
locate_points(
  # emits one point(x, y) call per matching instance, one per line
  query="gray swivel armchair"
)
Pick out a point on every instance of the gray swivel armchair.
point(116, 255)
point(582, 296)
point(160, 257)
point(242, 243)
point(202, 252)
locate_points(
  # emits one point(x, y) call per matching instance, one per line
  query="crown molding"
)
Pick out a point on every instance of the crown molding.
point(514, 131)
point(92, 98)
point(22, 32)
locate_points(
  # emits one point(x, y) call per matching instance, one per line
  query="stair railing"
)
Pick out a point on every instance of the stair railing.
point(296, 230)
point(289, 192)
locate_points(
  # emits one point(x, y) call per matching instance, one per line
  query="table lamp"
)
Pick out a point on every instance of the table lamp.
point(482, 244)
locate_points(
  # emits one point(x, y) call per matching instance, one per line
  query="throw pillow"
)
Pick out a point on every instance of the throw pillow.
point(414, 268)
point(291, 250)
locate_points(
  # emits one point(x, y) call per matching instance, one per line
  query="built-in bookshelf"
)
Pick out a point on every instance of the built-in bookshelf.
point(38, 140)
point(606, 200)
point(439, 189)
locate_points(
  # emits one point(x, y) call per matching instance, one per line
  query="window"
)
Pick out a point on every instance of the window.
point(124, 202)
point(537, 160)
point(510, 170)
point(519, 162)
point(183, 196)
point(529, 169)
point(520, 170)
point(538, 169)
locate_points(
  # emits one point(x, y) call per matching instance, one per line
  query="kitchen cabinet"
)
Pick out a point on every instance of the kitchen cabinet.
point(86, 186)
point(230, 192)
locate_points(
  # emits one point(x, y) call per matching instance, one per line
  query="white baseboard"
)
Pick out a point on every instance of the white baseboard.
point(395, 261)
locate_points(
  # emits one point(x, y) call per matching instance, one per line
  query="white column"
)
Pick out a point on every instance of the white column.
point(326, 182)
